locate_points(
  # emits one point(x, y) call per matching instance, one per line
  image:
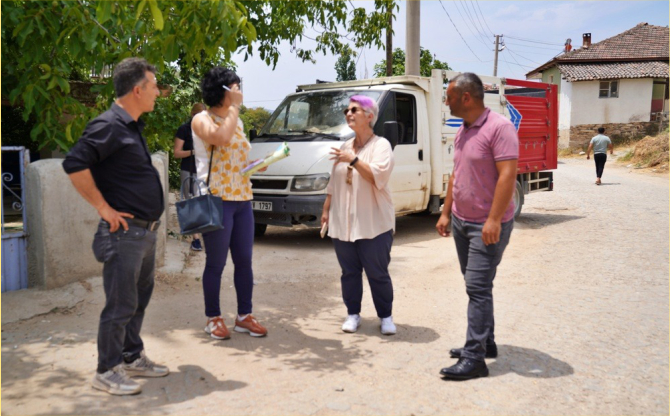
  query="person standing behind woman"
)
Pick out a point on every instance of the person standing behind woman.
point(183, 149)
point(360, 214)
point(219, 128)
point(600, 144)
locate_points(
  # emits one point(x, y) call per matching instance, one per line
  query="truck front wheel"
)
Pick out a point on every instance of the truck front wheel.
point(518, 199)
point(259, 229)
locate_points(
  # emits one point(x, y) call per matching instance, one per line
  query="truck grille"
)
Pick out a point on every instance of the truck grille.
point(274, 184)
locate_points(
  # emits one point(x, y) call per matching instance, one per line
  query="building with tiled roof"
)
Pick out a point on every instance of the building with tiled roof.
point(620, 83)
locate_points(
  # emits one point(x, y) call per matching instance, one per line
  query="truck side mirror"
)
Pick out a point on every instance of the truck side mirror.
point(391, 132)
point(252, 134)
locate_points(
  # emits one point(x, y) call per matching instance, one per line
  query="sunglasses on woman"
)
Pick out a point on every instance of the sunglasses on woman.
point(352, 109)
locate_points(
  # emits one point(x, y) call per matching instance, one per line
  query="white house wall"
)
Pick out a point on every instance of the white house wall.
point(633, 103)
point(564, 113)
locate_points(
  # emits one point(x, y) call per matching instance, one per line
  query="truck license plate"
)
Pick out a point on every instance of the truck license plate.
point(261, 206)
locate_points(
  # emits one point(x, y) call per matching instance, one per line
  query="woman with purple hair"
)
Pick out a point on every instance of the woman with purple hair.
point(360, 216)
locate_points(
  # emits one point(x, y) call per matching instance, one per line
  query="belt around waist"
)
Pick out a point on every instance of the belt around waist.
point(149, 225)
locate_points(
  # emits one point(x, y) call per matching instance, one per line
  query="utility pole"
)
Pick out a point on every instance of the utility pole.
point(413, 45)
point(389, 42)
point(495, 60)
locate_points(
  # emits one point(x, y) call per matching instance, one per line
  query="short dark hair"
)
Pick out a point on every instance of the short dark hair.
point(213, 82)
point(469, 82)
point(601, 130)
point(130, 72)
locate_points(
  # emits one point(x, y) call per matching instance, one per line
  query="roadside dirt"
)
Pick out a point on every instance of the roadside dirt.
point(581, 323)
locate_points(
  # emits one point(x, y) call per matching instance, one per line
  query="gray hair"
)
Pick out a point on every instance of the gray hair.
point(470, 83)
point(128, 73)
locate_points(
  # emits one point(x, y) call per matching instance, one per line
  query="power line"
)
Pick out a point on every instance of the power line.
point(468, 26)
point(507, 63)
point(459, 33)
point(545, 54)
point(467, 12)
point(474, 11)
point(530, 46)
point(517, 63)
point(483, 18)
point(534, 41)
point(521, 56)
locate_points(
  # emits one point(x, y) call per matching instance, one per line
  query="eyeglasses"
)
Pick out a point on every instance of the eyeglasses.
point(352, 109)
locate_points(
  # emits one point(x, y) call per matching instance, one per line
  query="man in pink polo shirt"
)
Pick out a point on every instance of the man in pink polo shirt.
point(479, 208)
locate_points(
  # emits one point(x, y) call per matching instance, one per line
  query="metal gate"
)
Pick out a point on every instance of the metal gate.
point(15, 159)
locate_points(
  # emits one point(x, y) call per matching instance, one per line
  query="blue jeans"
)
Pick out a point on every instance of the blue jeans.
point(478, 265)
point(372, 255)
point(128, 278)
point(237, 235)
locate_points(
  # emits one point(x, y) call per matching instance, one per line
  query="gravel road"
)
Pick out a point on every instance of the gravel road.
point(581, 304)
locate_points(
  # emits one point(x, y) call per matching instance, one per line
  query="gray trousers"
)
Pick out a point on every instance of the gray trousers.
point(128, 279)
point(478, 265)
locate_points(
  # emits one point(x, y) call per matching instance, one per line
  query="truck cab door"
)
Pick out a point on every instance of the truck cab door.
point(409, 180)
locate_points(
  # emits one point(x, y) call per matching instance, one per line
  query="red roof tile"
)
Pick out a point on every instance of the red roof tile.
point(614, 70)
point(644, 42)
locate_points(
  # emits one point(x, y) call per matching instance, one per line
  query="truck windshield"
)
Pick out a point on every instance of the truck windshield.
point(311, 116)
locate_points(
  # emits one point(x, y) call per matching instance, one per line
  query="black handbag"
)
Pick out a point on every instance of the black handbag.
point(201, 213)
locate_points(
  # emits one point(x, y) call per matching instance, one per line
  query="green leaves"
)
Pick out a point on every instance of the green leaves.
point(171, 48)
point(51, 49)
point(345, 65)
point(103, 11)
point(427, 63)
point(157, 15)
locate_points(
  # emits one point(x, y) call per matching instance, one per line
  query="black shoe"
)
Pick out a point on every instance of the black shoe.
point(491, 351)
point(195, 245)
point(465, 369)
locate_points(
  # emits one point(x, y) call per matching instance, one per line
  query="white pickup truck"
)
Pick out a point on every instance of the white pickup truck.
point(292, 191)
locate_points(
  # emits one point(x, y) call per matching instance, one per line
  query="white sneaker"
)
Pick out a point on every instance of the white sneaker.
point(116, 381)
point(144, 367)
point(352, 323)
point(388, 327)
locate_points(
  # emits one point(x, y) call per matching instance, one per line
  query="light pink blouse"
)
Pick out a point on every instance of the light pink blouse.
point(362, 210)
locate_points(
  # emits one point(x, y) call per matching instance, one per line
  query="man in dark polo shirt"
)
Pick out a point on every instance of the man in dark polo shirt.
point(111, 168)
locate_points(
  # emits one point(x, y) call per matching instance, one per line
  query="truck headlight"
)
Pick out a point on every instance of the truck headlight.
point(310, 183)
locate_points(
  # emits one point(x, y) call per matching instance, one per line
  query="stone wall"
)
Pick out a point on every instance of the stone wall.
point(581, 135)
point(61, 224)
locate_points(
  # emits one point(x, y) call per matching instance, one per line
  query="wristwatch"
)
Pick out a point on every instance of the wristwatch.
point(353, 162)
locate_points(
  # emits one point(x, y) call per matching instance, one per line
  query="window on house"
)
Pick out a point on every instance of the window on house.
point(609, 89)
point(551, 79)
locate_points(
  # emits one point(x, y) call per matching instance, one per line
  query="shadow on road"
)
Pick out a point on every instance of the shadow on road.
point(185, 384)
point(308, 348)
point(607, 184)
point(527, 362)
point(534, 220)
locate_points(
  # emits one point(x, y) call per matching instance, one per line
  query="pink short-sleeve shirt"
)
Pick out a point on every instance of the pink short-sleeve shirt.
point(491, 138)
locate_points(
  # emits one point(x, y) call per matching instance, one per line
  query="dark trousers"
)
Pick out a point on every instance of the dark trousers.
point(372, 255)
point(128, 279)
point(237, 235)
point(478, 265)
point(600, 159)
